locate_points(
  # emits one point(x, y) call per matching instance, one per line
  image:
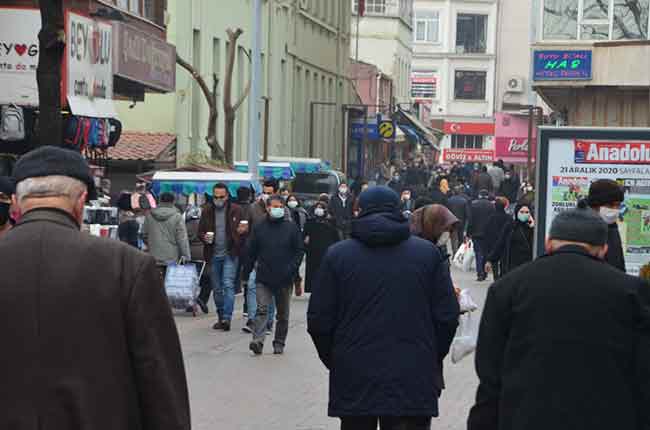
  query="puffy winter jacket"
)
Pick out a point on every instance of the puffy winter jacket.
point(166, 235)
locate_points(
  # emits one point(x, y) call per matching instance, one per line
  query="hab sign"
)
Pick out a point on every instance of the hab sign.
point(89, 66)
point(603, 152)
point(562, 65)
point(19, 56)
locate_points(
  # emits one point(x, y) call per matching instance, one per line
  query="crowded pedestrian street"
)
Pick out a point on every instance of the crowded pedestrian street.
point(231, 389)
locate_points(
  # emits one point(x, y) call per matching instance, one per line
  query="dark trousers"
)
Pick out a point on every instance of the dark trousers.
point(479, 250)
point(265, 297)
point(386, 423)
point(206, 287)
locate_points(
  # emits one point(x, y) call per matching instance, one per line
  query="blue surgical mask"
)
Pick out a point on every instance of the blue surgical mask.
point(277, 213)
point(523, 217)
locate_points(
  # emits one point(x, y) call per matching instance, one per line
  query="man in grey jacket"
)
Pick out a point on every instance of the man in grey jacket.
point(165, 233)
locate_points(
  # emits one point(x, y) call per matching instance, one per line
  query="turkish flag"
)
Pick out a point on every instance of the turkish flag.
point(362, 7)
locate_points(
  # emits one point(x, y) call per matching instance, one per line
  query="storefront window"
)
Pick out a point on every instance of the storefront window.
point(592, 19)
point(466, 141)
point(469, 85)
point(152, 10)
point(372, 6)
point(471, 34)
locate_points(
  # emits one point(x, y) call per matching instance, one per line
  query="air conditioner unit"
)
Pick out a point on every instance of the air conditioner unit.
point(304, 4)
point(516, 84)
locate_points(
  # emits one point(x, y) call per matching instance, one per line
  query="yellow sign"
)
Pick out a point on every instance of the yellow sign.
point(387, 129)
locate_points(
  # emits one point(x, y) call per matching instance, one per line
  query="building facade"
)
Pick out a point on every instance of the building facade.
point(454, 72)
point(305, 61)
point(592, 61)
point(384, 37)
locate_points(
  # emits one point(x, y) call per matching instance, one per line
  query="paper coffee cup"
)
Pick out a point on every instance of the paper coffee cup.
point(209, 236)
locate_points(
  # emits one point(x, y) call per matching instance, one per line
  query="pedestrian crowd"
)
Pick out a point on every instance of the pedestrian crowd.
point(564, 340)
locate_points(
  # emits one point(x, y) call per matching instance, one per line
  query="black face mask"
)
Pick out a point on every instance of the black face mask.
point(4, 213)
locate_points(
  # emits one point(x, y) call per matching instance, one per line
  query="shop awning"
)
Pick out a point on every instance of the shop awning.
point(92, 108)
point(410, 123)
point(304, 165)
point(266, 169)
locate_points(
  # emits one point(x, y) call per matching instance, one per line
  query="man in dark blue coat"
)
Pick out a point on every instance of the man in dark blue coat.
point(382, 315)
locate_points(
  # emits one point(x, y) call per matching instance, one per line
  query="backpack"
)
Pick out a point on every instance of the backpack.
point(77, 132)
point(12, 123)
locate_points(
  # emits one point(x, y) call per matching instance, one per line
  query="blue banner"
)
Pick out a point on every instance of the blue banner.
point(562, 65)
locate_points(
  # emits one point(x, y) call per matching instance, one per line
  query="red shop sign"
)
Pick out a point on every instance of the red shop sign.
point(465, 155)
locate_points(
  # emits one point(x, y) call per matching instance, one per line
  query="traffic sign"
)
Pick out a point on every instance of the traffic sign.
point(387, 129)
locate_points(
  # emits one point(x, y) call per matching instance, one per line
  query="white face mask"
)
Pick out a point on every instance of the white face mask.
point(343, 191)
point(319, 212)
point(609, 215)
point(292, 204)
point(444, 238)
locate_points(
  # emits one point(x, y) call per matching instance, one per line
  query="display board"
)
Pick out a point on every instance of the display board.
point(570, 159)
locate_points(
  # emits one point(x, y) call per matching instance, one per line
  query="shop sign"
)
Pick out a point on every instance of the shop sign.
point(143, 58)
point(471, 128)
point(468, 155)
point(89, 66)
point(371, 126)
point(571, 159)
point(513, 149)
point(19, 56)
point(562, 65)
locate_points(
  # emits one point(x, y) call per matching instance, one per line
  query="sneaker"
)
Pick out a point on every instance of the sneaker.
point(245, 315)
point(249, 327)
point(256, 347)
point(278, 349)
point(222, 325)
point(202, 305)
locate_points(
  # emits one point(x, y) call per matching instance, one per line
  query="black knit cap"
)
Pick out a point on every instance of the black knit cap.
point(54, 161)
point(378, 199)
point(579, 225)
point(604, 192)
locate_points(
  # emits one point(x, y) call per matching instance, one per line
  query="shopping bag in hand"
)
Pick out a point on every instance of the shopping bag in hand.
point(466, 336)
point(469, 258)
point(460, 254)
point(466, 302)
point(181, 285)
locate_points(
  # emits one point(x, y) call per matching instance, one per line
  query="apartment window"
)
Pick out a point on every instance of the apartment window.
point(427, 26)
point(372, 6)
point(471, 34)
point(469, 85)
point(152, 10)
point(424, 85)
point(596, 19)
point(466, 141)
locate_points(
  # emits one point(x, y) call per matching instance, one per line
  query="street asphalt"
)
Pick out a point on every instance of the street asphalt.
point(230, 389)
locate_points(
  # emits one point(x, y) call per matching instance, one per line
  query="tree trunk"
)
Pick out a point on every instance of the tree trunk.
point(48, 75)
point(216, 152)
point(230, 110)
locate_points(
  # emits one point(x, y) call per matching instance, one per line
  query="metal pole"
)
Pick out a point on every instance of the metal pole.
point(266, 128)
point(346, 136)
point(531, 112)
point(254, 115)
point(358, 21)
point(311, 130)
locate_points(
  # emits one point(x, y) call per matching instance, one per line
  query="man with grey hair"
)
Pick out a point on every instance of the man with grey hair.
point(89, 338)
point(564, 340)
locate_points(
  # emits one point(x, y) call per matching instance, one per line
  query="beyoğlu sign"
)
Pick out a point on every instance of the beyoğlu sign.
point(562, 65)
point(605, 152)
point(468, 155)
point(143, 58)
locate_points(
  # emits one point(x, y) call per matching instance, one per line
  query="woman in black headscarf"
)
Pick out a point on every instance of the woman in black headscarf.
point(320, 233)
point(515, 245)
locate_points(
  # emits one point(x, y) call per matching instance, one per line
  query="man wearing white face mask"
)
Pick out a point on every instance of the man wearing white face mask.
point(605, 197)
point(342, 209)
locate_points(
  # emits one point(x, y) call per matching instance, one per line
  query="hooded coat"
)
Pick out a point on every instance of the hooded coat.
point(382, 315)
point(166, 234)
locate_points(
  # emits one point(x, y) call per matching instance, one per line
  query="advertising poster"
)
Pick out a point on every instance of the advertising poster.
point(19, 56)
point(571, 159)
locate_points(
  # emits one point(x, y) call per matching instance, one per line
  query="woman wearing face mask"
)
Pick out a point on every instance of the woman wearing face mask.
point(515, 245)
point(605, 198)
point(435, 223)
point(298, 213)
point(320, 234)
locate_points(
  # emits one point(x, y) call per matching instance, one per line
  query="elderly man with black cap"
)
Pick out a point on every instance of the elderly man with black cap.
point(563, 342)
point(382, 315)
point(88, 336)
point(7, 189)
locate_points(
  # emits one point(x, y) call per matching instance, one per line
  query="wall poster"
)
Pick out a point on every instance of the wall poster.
point(570, 159)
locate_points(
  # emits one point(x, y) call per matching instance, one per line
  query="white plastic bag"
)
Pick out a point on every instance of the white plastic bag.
point(460, 254)
point(181, 285)
point(469, 258)
point(466, 302)
point(466, 336)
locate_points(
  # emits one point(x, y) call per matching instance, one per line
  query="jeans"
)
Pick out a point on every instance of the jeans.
point(265, 298)
point(386, 423)
point(251, 300)
point(224, 272)
point(479, 250)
